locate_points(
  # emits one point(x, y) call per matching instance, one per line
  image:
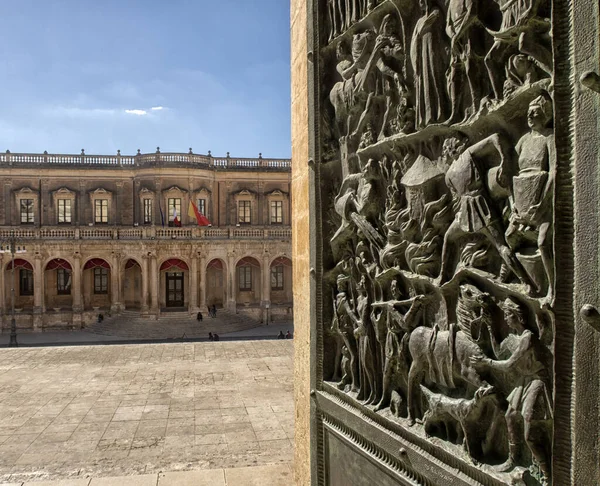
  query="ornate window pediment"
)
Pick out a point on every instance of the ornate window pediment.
point(26, 193)
point(64, 193)
point(174, 190)
point(100, 192)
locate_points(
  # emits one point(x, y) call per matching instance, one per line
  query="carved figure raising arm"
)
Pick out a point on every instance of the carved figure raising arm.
point(465, 179)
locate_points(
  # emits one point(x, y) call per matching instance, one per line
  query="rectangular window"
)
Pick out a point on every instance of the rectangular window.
point(100, 280)
point(101, 211)
point(202, 206)
point(64, 211)
point(245, 278)
point(174, 204)
point(277, 277)
point(244, 208)
point(25, 282)
point(26, 211)
point(276, 212)
point(147, 211)
point(63, 281)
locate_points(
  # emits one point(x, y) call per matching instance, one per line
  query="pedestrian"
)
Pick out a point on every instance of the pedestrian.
point(199, 316)
point(288, 335)
point(280, 335)
point(215, 336)
point(214, 310)
point(210, 336)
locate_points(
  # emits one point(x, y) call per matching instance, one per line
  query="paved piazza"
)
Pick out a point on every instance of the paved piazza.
point(98, 411)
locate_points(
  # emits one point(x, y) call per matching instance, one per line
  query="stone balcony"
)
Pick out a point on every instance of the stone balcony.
point(281, 233)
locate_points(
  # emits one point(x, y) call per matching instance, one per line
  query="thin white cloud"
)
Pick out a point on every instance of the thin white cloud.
point(157, 108)
point(136, 112)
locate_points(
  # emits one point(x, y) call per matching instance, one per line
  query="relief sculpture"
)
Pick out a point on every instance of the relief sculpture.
point(439, 258)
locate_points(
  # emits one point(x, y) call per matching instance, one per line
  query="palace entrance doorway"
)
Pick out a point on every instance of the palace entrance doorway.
point(174, 288)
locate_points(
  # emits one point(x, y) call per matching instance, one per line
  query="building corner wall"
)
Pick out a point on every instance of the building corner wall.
point(300, 240)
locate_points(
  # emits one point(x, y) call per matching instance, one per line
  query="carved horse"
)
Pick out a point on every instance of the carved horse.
point(442, 358)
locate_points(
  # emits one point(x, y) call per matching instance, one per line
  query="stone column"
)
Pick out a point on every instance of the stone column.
point(231, 287)
point(8, 202)
point(154, 284)
point(145, 280)
point(203, 282)
point(81, 202)
point(76, 290)
point(117, 208)
point(193, 292)
point(158, 203)
point(38, 292)
point(266, 287)
point(115, 296)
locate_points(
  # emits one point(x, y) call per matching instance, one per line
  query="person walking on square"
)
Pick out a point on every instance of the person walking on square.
point(199, 316)
point(280, 335)
point(210, 336)
point(288, 335)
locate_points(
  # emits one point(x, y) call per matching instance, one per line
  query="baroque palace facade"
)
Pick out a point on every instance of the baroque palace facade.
point(107, 233)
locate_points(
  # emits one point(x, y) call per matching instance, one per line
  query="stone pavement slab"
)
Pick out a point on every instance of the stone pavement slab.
point(145, 480)
point(211, 477)
point(259, 476)
point(124, 410)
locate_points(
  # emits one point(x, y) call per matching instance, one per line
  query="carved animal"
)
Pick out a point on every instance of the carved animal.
point(442, 358)
point(463, 413)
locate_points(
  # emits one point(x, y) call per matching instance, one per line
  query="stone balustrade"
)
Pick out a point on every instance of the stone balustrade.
point(140, 160)
point(146, 233)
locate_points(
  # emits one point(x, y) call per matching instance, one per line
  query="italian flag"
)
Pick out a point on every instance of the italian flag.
point(193, 212)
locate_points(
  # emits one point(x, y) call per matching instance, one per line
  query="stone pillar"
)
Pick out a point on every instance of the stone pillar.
point(2, 292)
point(203, 282)
point(118, 206)
point(193, 292)
point(158, 203)
point(81, 202)
point(231, 282)
point(115, 296)
point(38, 292)
point(145, 280)
point(266, 287)
point(76, 291)
point(154, 284)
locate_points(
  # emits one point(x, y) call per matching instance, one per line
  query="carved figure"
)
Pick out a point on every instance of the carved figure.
point(461, 22)
point(391, 66)
point(395, 369)
point(366, 346)
point(476, 215)
point(521, 29)
point(529, 402)
point(427, 54)
point(346, 369)
point(347, 320)
point(533, 188)
point(520, 71)
point(352, 97)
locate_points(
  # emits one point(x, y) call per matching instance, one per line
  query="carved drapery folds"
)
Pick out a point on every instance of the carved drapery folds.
point(439, 160)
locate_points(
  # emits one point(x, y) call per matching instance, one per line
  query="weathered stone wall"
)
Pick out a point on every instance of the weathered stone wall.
point(300, 242)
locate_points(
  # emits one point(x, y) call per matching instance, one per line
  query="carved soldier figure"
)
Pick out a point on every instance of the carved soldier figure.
point(427, 54)
point(475, 210)
point(532, 187)
point(530, 401)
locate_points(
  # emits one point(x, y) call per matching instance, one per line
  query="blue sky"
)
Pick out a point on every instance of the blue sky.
point(127, 74)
